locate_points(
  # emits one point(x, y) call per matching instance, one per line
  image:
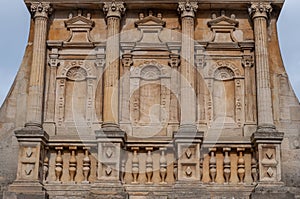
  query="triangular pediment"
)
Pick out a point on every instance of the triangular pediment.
point(150, 21)
point(223, 21)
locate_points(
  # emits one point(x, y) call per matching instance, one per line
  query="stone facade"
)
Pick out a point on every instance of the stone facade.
point(151, 99)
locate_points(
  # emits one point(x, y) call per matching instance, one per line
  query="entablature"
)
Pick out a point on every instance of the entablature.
point(165, 4)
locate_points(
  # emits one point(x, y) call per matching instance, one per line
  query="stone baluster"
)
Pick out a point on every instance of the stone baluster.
point(201, 168)
point(149, 165)
point(58, 164)
point(86, 166)
point(241, 165)
point(72, 164)
point(226, 165)
point(123, 170)
point(46, 165)
point(212, 165)
point(188, 109)
point(175, 170)
point(36, 84)
point(135, 165)
point(113, 11)
point(259, 12)
point(254, 172)
point(163, 166)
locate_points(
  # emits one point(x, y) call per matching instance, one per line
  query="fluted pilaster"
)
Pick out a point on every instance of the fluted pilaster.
point(187, 11)
point(260, 12)
point(40, 13)
point(113, 11)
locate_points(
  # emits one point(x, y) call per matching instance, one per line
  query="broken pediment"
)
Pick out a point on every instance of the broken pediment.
point(79, 27)
point(223, 27)
point(150, 20)
point(150, 28)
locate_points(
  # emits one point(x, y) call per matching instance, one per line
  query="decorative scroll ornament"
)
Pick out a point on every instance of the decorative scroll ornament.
point(127, 60)
point(53, 58)
point(247, 61)
point(200, 61)
point(114, 9)
point(187, 9)
point(39, 9)
point(260, 9)
point(174, 60)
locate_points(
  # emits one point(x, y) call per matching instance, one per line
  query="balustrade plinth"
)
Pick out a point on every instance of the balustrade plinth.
point(28, 183)
point(110, 141)
point(268, 149)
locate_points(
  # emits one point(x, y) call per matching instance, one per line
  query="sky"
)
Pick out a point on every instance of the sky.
point(14, 20)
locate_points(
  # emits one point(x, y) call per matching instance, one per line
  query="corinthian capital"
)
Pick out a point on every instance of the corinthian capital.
point(260, 9)
point(114, 9)
point(187, 9)
point(39, 9)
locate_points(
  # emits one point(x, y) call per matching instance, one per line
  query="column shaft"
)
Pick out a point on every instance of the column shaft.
point(260, 13)
point(112, 69)
point(187, 79)
point(37, 73)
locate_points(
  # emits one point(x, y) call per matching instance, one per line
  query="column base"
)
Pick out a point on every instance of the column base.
point(111, 131)
point(31, 133)
point(266, 128)
point(187, 128)
point(265, 135)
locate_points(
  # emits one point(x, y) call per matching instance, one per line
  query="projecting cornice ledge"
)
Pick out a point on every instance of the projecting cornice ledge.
point(163, 4)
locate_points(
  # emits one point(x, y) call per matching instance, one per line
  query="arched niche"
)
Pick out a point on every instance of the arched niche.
point(149, 98)
point(75, 83)
point(226, 85)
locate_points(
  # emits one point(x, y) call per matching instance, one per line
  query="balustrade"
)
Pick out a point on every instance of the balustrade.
point(229, 165)
point(148, 165)
point(69, 164)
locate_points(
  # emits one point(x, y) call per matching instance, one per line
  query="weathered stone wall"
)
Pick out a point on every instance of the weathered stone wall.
point(12, 114)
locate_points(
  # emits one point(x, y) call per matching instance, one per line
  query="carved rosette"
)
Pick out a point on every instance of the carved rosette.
point(39, 9)
point(114, 9)
point(187, 9)
point(260, 9)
